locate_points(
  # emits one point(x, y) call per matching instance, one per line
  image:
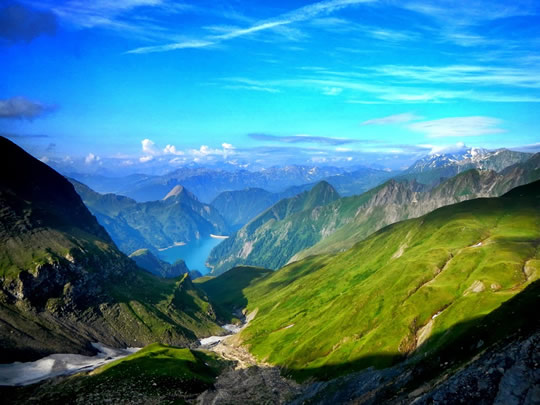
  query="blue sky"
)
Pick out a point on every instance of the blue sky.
point(146, 85)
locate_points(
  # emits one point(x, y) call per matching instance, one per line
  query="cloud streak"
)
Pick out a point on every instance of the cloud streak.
point(527, 77)
point(392, 119)
point(405, 84)
point(466, 13)
point(458, 127)
point(301, 14)
point(303, 139)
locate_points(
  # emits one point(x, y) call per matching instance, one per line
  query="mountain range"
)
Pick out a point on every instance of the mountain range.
point(271, 242)
point(178, 218)
point(396, 299)
point(207, 184)
point(432, 168)
point(238, 207)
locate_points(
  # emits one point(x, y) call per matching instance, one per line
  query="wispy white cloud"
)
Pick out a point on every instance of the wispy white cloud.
point(393, 119)
point(119, 16)
point(330, 22)
point(528, 76)
point(344, 26)
point(391, 35)
point(462, 22)
point(332, 91)
point(301, 14)
point(377, 92)
point(367, 102)
point(533, 147)
point(303, 138)
point(251, 87)
point(468, 12)
point(242, 83)
point(458, 126)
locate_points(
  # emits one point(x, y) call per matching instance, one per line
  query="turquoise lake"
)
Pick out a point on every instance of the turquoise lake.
point(194, 253)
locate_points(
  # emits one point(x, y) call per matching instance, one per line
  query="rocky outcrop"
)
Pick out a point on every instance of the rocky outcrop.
point(504, 374)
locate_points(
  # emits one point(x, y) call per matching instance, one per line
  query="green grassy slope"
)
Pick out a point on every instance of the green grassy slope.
point(384, 298)
point(226, 292)
point(155, 374)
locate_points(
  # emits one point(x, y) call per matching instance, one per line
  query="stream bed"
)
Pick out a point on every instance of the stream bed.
point(212, 340)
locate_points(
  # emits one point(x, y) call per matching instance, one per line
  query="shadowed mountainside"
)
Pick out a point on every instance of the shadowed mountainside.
point(64, 284)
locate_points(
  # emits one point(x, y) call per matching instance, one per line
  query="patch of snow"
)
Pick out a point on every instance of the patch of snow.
point(212, 340)
point(59, 364)
point(477, 245)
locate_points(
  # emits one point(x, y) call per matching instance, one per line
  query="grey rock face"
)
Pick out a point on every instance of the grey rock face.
point(510, 376)
point(503, 375)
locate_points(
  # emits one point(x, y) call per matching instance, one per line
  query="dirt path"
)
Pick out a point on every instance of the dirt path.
point(248, 381)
